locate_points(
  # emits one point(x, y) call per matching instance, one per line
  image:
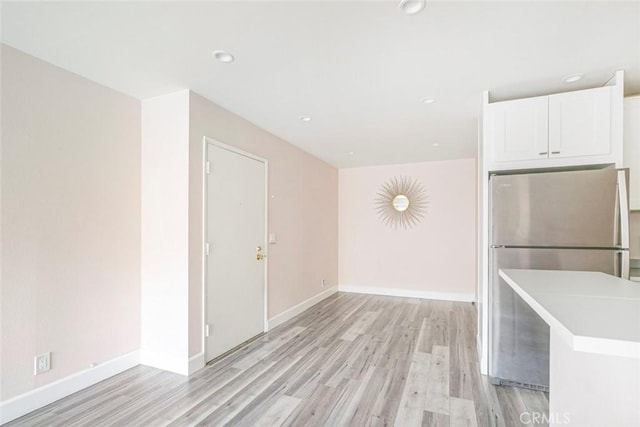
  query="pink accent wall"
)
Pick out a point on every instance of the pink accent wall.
point(437, 255)
point(303, 212)
point(70, 222)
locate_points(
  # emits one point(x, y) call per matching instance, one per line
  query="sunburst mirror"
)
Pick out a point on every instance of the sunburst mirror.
point(401, 202)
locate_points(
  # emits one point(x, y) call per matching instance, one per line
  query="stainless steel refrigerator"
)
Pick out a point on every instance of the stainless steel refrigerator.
point(574, 220)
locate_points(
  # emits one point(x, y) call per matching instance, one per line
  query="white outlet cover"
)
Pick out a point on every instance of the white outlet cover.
point(42, 363)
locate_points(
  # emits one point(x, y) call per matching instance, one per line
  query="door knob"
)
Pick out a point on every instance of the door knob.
point(260, 257)
point(259, 248)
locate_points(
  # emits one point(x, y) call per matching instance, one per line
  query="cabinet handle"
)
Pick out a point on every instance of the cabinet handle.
point(544, 153)
point(555, 152)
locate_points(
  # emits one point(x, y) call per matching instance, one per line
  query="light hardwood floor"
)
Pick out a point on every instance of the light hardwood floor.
point(351, 360)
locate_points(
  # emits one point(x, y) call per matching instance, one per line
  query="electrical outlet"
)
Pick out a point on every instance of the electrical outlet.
point(42, 363)
point(324, 282)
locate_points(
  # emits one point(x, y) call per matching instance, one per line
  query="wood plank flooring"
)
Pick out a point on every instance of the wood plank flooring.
point(351, 360)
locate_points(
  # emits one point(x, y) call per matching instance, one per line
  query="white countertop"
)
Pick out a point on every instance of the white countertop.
point(593, 312)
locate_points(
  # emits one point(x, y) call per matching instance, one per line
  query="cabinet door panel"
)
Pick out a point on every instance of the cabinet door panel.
point(580, 123)
point(520, 129)
point(632, 148)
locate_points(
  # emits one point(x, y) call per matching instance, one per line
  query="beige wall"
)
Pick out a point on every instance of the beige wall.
point(70, 222)
point(165, 232)
point(438, 256)
point(303, 212)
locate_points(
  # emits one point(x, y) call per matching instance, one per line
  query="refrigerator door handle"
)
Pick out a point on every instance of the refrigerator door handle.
point(624, 208)
point(624, 264)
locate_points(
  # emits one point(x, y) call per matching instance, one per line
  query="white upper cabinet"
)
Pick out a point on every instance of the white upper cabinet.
point(519, 129)
point(570, 129)
point(580, 123)
point(632, 148)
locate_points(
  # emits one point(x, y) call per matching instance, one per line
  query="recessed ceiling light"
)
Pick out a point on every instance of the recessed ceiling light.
point(436, 144)
point(223, 56)
point(351, 153)
point(305, 118)
point(428, 100)
point(411, 7)
point(573, 78)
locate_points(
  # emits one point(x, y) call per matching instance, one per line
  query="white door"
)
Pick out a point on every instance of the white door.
point(580, 123)
point(519, 129)
point(235, 233)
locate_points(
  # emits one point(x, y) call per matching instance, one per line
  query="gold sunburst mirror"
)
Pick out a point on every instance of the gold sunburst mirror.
point(401, 202)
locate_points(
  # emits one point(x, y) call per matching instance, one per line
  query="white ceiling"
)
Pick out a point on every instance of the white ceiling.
point(358, 68)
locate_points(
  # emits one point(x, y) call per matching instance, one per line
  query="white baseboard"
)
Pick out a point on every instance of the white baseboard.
point(165, 362)
point(42, 396)
point(196, 362)
point(295, 310)
point(407, 293)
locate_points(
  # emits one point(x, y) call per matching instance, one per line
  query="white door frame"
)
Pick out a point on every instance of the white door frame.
point(206, 141)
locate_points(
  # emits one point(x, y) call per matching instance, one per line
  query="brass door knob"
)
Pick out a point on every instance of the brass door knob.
point(260, 257)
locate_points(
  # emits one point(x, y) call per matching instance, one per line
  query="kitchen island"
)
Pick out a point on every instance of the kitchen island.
point(594, 322)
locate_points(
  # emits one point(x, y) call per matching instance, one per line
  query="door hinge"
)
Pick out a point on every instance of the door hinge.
point(207, 167)
point(206, 330)
point(206, 249)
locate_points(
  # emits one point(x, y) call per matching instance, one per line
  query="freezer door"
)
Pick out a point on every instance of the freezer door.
point(572, 209)
point(518, 337)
